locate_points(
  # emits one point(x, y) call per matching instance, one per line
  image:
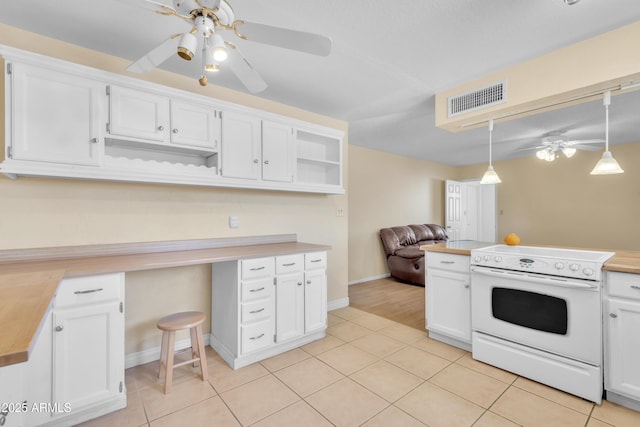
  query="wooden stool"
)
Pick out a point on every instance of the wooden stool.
point(169, 325)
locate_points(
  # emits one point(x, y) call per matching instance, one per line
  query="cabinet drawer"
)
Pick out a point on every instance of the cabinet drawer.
point(256, 289)
point(315, 260)
point(256, 336)
point(623, 285)
point(289, 264)
point(450, 262)
point(257, 310)
point(258, 267)
point(89, 290)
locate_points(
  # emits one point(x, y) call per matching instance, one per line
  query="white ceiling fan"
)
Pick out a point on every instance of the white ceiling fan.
point(555, 143)
point(209, 19)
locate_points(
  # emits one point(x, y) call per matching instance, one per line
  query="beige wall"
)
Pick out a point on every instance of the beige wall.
point(387, 190)
point(40, 212)
point(560, 203)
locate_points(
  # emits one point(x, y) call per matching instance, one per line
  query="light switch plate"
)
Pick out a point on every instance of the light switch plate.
point(234, 221)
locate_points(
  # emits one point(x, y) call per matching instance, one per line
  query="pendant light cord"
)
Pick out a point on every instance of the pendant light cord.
point(607, 101)
point(490, 133)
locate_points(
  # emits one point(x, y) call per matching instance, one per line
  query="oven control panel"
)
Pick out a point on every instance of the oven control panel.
point(578, 269)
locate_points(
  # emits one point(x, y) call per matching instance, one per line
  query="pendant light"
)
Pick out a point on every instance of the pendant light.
point(490, 176)
point(607, 165)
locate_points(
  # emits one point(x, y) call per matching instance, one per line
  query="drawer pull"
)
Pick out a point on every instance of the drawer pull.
point(635, 287)
point(257, 268)
point(257, 337)
point(289, 264)
point(257, 290)
point(447, 262)
point(88, 291)
point(257, 311)
point(316, 260)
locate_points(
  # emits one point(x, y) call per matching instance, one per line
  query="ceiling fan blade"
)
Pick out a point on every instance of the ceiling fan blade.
point(584, 141)
point(587, 147)
point(281, 37)
point(244, 71)
point(157, 56)
point(152, 5)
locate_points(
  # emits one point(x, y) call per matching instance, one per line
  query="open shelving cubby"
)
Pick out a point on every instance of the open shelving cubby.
point(318, 158)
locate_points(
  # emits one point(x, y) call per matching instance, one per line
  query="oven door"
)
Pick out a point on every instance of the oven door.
point(553, 314)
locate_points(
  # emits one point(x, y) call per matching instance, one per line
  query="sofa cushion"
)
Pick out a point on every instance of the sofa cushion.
point(410, 252)
point(422, 232)
point(439, 233)
point(405, 235)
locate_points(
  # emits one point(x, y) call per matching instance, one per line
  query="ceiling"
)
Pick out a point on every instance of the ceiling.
point(388, 61)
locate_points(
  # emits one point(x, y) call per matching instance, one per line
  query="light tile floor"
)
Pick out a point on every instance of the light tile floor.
point(368, 371)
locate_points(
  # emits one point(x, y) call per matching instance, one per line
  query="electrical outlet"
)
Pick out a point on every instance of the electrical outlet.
point(234, 221)
point(339, 211)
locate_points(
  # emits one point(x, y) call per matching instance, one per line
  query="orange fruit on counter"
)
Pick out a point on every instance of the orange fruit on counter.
point(512, 239)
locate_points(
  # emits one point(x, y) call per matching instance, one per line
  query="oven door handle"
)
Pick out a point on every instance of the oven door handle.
point(546, 280)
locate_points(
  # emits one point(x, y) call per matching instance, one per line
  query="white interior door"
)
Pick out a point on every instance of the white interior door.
point(454, 222)
point(470, 211)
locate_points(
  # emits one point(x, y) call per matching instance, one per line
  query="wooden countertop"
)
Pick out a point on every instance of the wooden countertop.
point(623, 261)
point(27, 288)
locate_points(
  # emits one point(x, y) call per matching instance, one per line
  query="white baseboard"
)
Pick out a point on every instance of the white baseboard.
point(338, 303)
point(368, 279)
point(152, 354)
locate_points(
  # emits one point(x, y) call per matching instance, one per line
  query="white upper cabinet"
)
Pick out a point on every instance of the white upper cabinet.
point(55, 116)
point(277, 152)
point(194, 125)
point(240, 145)
point(137, 114)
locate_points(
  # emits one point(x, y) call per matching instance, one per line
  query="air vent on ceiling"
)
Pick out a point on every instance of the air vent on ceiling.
point(480, 98)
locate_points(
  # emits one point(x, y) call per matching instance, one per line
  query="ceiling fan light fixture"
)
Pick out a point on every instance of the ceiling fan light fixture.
point(219, 50)
point(211, 65)
point(571, 2)
point(187, 46)
point(569, 152)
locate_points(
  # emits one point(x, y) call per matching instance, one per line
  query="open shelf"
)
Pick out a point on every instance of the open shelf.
point(318, 158)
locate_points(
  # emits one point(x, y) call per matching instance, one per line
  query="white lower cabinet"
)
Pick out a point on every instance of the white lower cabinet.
point(448, 298)
point(622, 338)
point(12, 395)
point(265, 306)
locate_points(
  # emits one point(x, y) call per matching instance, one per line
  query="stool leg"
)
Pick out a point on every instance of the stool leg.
point(202, 354)
point(170, 348)
point(162, 366)
point(194, 345)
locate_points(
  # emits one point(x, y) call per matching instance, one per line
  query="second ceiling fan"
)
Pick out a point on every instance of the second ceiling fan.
point(208, 20)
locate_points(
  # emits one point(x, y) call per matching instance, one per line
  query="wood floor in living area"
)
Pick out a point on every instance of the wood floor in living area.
point(390, 299)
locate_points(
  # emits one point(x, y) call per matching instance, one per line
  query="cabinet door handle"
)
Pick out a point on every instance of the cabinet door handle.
point(160, 128)
point(257, 268)
point(256, 161)
point(308, 282)
point(257, 311)
point(175, 130)
point(635, 287)
point(94, 140)
point(613, 315)
point(59, 328)
point(447, 262)
point(257, 290)
point(466, 286)
point(266, 162)
point(289, 264)
point(299, 283)
point(257, 337)
point(88, 291)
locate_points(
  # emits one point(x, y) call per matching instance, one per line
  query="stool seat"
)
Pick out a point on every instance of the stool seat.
point(178, 321)
point(191, 320)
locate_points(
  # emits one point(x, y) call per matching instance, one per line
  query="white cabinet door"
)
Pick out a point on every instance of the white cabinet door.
point(623, 347)
point(11, 395)
point(277, 152)
point(290, 308)
point(137, 114)
point(315, 300)
point(55, 116)
point(240, 146)
point(88, 354)
point(449, 304)
point(194, 125)
point(38, 378)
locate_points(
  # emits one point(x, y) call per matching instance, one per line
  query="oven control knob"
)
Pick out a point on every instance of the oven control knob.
point(559, 266)
point(497, 259)
point(588, 272)
point(477, 258)
point(487, 257)
point(574, 267)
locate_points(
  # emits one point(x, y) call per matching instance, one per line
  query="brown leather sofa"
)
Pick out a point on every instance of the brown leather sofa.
point(402, 247)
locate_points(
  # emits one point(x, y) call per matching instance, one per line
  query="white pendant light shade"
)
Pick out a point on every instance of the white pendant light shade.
point(607, 165)
point(490, 176)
